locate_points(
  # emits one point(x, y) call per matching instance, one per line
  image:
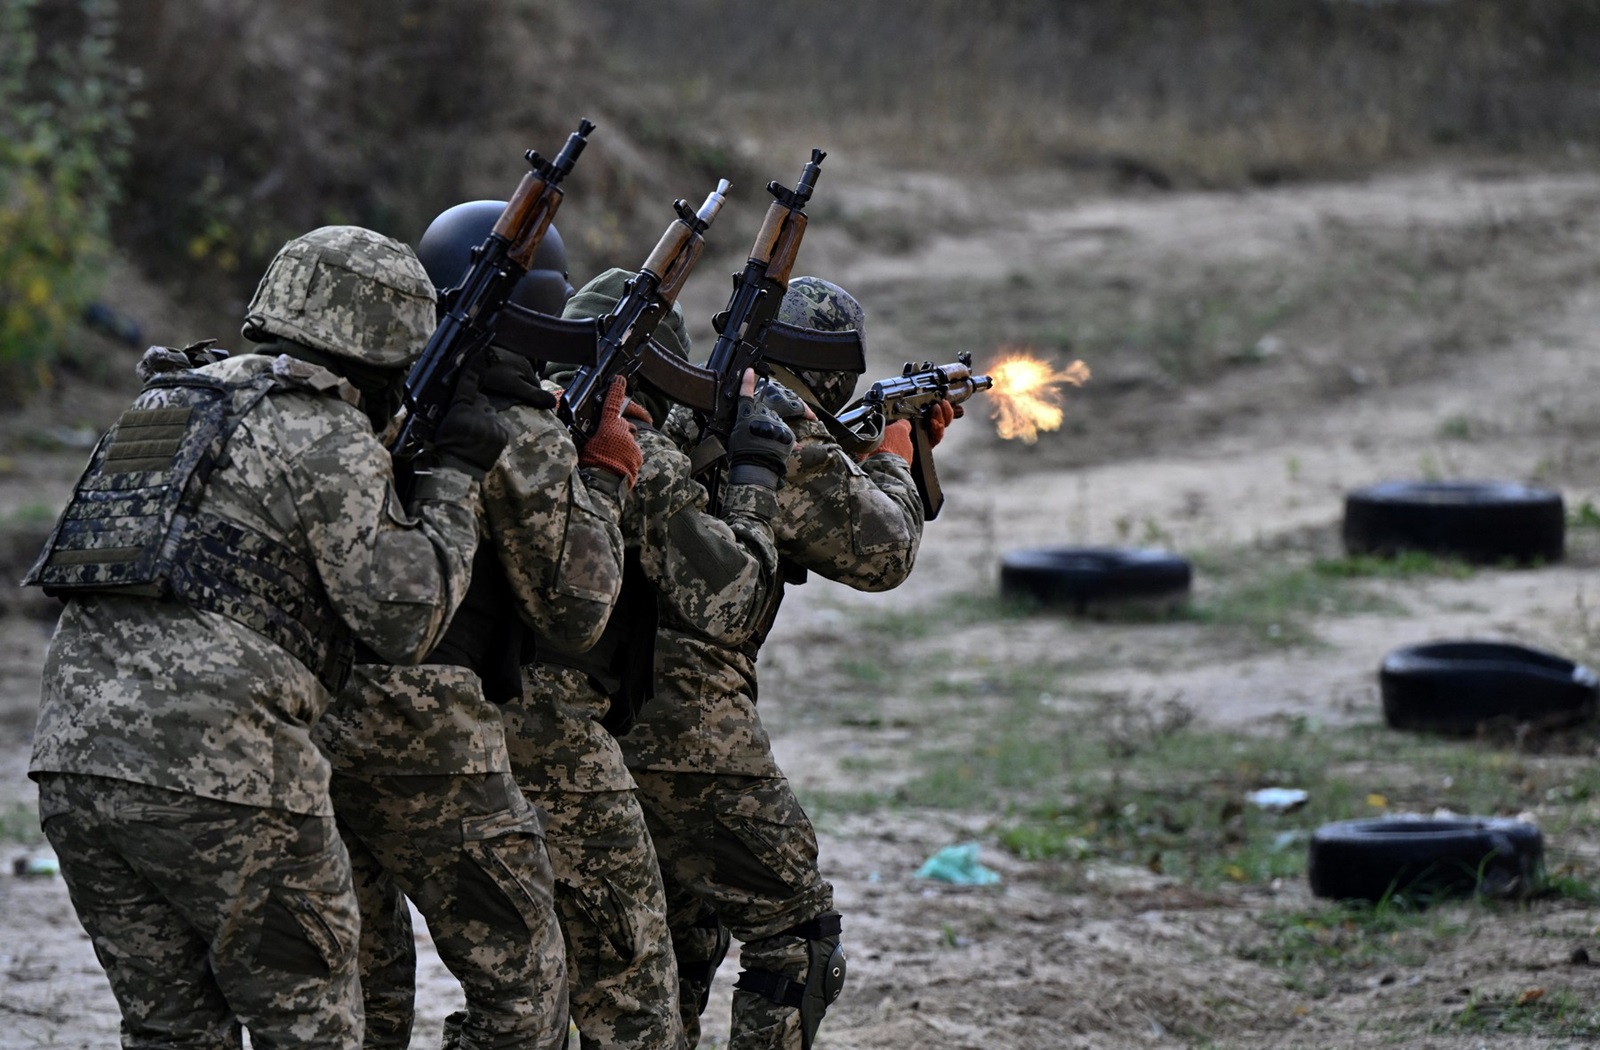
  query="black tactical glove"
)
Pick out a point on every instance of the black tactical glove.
point(785, 402)
point(509, 379)
point(471, 435)
point(759, 445)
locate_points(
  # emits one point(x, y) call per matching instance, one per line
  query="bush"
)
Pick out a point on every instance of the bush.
point(64, 137)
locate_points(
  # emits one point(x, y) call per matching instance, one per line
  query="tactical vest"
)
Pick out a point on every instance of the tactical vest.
point(133, 527)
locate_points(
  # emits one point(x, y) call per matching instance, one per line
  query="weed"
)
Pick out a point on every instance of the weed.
point(20, 823)
point(1559, 1014)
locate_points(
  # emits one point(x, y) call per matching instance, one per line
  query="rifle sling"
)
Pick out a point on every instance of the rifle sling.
point(854, 443)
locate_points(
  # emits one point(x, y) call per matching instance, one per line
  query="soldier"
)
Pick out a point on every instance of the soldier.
point(712, 577)
point(422, 782)
point(231, 535)
point(738, 854)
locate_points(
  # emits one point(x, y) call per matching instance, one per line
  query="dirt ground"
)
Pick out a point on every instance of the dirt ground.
point(1255, 456)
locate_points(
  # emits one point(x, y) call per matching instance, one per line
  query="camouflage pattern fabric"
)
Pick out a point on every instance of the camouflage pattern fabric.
point(811, 302)
point(714, 574)
point(210, 915)
point(425, 795)
point(733, 840)
point(469, 851)
point(159, 693)
point(347, 291)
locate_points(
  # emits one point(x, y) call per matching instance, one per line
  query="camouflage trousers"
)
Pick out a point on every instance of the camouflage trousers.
point(469, 851)
point(209, 916)
point(738, 856)
point(620, 968)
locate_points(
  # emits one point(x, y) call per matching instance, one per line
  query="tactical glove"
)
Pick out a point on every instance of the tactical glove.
point(471, 435)
point(759, 445)
point(785, 402)
point(509, 379)
point(612, 446)
point(896, 440)
point(940, 415)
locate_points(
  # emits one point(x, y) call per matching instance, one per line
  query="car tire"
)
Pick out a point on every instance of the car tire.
point(1486, 522)
point(1423, 859)
point(1454, 687)
point(1086, 578)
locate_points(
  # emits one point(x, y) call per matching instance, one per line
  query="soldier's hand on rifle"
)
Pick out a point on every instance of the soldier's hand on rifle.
point(612, 446)
point(509, 379)
point(940, 415)
point(760, 442)
point(785, 402)
point(471, 435)
point(896, 440)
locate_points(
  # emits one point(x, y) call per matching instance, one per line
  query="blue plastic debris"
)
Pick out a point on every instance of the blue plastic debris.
point(958, 865)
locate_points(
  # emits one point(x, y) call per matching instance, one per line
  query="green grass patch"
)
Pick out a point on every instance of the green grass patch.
point(1559, 1014)
point(19, 823)
point(1306, 947)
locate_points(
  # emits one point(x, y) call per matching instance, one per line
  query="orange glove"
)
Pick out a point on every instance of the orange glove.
point(897, 440)
point(940, 413)
point(636, 411)
point(612, 446)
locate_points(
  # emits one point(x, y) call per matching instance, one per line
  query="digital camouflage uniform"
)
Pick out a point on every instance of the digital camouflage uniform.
point(738, 853)
point(178, 779)
point(423, 785)
point(705, 571)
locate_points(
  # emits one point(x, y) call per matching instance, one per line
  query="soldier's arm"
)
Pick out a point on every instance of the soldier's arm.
point(395, 579)
point(712, 575)
point(555, 530)
point(857, 524)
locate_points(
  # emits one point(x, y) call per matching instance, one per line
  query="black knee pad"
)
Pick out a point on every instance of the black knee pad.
point(825, 974)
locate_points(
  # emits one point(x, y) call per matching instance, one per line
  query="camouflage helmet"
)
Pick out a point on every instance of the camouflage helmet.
point(446, 250)
point(823, 306)
point(349, 292)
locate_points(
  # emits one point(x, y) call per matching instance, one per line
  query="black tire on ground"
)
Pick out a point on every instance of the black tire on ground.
point(1456, 686)
point(1423, 859)
point(1480, 521)
point(1080, 578)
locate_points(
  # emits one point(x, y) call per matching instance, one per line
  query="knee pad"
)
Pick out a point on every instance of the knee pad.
point(824, 980)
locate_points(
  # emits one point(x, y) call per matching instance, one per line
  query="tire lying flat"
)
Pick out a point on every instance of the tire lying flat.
point(1454, 687)
point(1083, 578)
point(1486, 522)
point(1422, 859)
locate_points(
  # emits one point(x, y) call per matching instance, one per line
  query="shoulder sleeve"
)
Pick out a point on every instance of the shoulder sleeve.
point(857, 524)
point(555, 531)
point(395, 579)
point(713, 576)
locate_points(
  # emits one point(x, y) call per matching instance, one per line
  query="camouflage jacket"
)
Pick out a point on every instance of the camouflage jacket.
point(713, 579)
point(556, 539)
point(858, 524)
point(159, 693)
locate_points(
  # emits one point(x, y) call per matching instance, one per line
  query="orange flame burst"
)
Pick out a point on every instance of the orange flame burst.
point(1027, 393)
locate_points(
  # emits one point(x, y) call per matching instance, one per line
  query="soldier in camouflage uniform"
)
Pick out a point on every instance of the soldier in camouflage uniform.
point(738, 854)
point(713, 576)
point(422, 781)
point(230, 536)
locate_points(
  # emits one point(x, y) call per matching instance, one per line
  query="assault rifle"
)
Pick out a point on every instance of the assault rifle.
point(623, 344)
point(911, 395)
point(748, 332)
point(469, 311)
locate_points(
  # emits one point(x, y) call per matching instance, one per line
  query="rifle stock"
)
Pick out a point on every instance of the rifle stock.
point(469, 312)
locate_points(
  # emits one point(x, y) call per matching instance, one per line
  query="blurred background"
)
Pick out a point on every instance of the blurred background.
point(154, 154)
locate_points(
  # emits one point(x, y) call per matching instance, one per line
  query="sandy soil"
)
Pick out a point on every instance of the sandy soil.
point(1257, 457)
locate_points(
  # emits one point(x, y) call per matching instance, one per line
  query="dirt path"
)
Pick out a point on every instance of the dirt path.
point(1141, 961)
